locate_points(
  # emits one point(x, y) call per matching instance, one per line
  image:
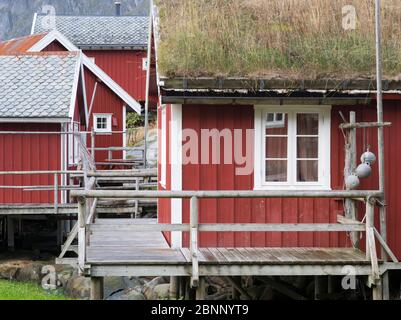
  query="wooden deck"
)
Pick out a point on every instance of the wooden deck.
point(115, 251)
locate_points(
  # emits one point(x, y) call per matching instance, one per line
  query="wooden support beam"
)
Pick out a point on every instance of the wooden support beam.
point(385, 246)
point(283, 288)
point(201, 289)
point(10, 234)
point(360, 125)
point(237, 286)
point(174, 288)
point(96, 288)
point(194, 221)
point(70, 239)
point(321, 286)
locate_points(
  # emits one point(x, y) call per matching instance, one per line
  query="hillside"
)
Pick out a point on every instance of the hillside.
point(16, 15)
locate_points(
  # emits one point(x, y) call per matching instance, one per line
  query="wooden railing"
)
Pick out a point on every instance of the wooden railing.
point(194, 227)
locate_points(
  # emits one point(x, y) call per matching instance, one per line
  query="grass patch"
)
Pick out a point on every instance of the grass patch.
point(269, 38)
point(11, 290)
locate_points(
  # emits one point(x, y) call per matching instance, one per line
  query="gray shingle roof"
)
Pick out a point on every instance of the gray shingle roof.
point(98, 31)
point(36, 86)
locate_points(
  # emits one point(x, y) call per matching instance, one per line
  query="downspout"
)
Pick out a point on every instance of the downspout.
point(148, 86)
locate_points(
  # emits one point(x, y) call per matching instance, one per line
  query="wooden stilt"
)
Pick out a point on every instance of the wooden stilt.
point(174, 288)
point(386, 286)
point(377, 290)
point(201, 289)
point(96, 288)
point(10, 234)
point(320, 286)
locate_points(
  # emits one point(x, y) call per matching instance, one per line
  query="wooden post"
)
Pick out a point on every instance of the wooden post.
point(371, 253)
point(174, 288)
point(137, 201)
point(96, 288)
point(10, 234)
point(93, 139)
point(81, 234)
point(194, 221)
point(349, 167)
point(321, 283)
point(201, 289)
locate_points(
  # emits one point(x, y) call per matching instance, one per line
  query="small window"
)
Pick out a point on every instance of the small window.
point(294, 150)
point(102, 123)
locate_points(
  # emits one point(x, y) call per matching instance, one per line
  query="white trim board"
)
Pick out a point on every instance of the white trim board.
point(35, 120)
point(106, 79)
point(176, 170)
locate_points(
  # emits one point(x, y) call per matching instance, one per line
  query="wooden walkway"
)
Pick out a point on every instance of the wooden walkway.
point(115, 251)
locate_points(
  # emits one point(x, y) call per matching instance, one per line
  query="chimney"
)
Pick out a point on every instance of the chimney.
point(118, 8)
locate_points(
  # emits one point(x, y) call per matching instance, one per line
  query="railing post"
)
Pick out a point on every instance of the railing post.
point(194, 223)
point(55, 193)
point(370, 213)
point(81, 234)
point(93, 137)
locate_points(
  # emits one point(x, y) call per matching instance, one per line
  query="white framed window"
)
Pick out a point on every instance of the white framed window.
point(102, 123)
point(163, 146)
point(292, 147)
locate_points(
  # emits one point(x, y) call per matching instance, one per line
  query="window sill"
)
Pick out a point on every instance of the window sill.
point(292, 188)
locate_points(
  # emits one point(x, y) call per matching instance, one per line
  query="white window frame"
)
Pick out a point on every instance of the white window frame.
point(324, 179)
point(108, 117)
point(163, 146)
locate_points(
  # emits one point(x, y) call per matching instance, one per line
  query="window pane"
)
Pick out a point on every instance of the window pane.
point(276, 147)
point(276, 170)
point(307, 147)
point(276, 123)
point(307, 124)
point(307, 171)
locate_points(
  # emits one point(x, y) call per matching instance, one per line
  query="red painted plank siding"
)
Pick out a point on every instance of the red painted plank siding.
point(28, 153)
point(108, 103)
point(55, 46)
point(124, 67)
point(220, 177)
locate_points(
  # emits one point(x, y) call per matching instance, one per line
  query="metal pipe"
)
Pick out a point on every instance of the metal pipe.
point(120, 194)
point(380, 142)
point(149, 57)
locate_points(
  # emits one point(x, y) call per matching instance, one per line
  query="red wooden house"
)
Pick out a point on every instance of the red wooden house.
point(115, 44)
point(107, 102)
point(41, 95)
point(269, 134)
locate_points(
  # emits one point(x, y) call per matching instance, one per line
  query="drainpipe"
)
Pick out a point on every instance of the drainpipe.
point(148, 85)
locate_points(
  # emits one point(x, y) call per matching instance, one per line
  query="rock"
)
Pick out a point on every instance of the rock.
point(78, 287)
point(148, 288)
point(30, 273)
point(112, 285)
point(134, 295)
point(128, 294)
point(161, 292)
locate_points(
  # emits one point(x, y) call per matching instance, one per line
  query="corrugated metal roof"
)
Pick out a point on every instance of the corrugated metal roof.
point(37, 85)
point(20, 45)
point(98, 31)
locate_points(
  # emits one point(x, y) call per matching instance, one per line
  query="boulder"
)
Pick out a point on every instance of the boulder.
point(128, 294)
point(78, 287)
point(161, 292)
point(30, 273)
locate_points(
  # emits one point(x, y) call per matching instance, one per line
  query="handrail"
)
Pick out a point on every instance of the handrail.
point(119, 194)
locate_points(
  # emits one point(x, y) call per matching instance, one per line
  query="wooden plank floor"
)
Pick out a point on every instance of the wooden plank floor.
point(116, 247)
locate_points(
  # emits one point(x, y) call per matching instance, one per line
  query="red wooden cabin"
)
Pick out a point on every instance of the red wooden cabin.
point(106, 101)
point(41, 96)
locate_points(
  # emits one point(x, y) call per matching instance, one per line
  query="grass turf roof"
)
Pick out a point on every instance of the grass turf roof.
point(290, 39)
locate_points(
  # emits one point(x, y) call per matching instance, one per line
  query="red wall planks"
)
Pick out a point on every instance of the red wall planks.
point(28, 153)
point(124, 67)
point(106, 102)
point(220, 177)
